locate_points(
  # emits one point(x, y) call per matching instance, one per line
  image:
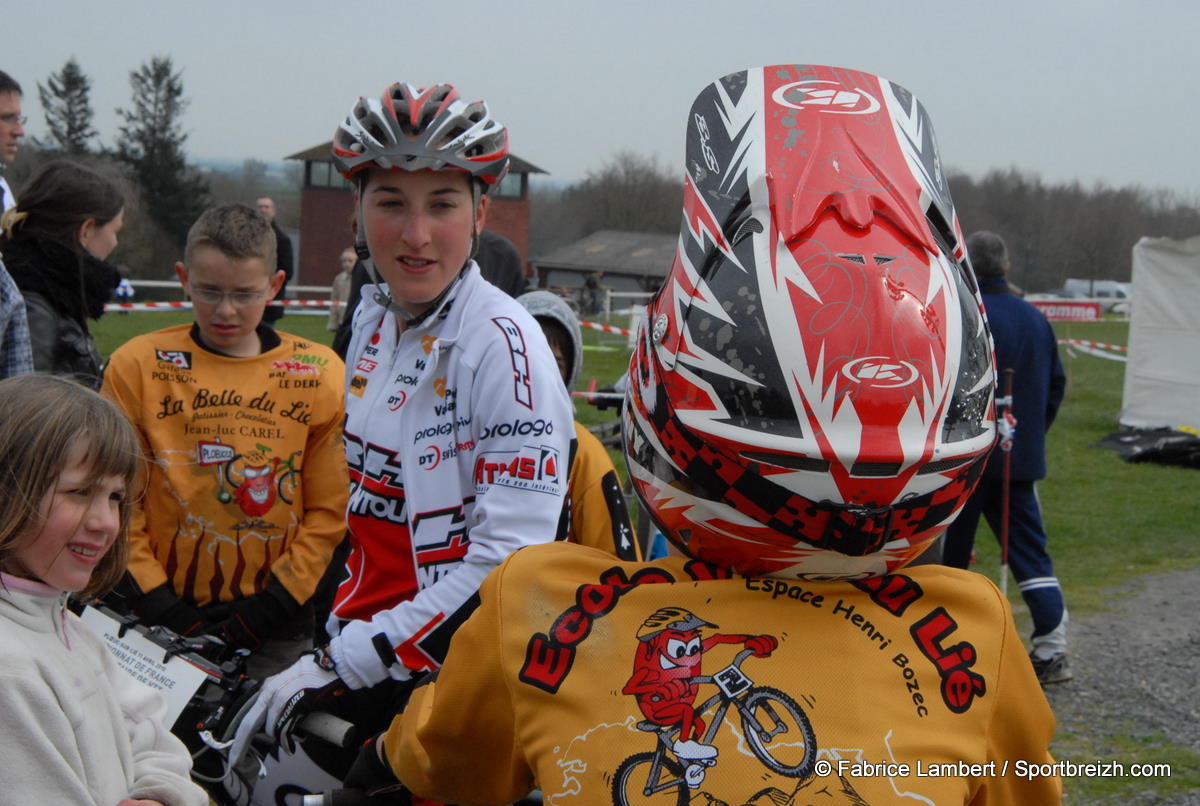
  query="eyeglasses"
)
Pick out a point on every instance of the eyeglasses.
point(214, 296)
point(14, 119)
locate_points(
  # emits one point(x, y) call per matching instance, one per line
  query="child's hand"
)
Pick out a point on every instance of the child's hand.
point(132, 802)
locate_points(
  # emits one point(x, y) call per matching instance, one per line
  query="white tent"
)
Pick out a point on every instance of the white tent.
point(1162, 376)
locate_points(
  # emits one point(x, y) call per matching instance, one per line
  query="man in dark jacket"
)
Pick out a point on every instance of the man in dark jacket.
point(283, 258)
point(1025, 343)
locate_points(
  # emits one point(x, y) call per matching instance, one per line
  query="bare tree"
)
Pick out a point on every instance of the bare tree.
point(630, 192)
point(552, 223)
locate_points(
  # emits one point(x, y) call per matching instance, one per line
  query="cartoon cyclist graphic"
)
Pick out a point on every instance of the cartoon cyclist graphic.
point(253, 482)
point(665, 669)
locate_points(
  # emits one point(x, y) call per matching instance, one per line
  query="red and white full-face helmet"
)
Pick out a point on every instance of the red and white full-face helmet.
point(811, 394)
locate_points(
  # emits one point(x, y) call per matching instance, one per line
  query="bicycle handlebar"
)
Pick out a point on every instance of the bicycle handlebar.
point(335, 730)
point(338, 797)
point(737, 661)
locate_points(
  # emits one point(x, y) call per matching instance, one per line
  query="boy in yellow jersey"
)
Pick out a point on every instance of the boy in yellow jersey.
point(246, 476)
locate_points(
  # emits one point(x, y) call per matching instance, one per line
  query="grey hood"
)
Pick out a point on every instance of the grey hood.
point(552, 306)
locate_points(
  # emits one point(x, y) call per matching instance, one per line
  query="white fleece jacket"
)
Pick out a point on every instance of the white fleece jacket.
point(75, 728)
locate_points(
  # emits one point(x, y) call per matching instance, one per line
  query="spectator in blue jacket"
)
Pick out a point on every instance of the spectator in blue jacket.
point(1025, 342)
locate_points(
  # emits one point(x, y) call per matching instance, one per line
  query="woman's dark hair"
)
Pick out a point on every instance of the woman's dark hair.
point(60, 197)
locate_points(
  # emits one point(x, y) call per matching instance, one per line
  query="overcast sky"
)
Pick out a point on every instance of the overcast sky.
point(1072, 90)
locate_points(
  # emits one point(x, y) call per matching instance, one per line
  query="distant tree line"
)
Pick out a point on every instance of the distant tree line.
point(1057, 231)
point(148, 158)
point(1054, 231)
point(629, 192)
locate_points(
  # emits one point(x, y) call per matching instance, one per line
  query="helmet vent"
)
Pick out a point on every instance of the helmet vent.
point(376, 131)
point(853, 258)
point(750, 225)
point(453, 133)
point(944, 465)
point(402, 118)
point(882, 260)
point(874, 469)
point(789, 461)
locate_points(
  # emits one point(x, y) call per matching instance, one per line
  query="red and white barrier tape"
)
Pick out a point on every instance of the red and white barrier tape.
point(187, 306)
point(1096, 348)
point(147, 306)
point(1082, 343)
point(599, 395)
point(606, 328)
point(296, 303)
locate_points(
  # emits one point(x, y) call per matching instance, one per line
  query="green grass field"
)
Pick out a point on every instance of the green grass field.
point(1108, 521)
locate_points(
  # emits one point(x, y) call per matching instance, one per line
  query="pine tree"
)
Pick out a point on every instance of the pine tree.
point(151, 143)
point(68, 110)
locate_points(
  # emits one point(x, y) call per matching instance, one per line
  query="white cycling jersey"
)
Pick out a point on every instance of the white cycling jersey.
point(458, 439)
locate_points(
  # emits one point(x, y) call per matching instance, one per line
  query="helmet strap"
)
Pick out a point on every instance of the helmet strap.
point(364, 254)
point(476, 195)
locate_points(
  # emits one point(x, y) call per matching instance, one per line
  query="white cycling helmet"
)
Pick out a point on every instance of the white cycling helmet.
point(414, 129)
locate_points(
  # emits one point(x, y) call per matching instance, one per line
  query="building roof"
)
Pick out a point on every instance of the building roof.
point(643, 254)
point(322, 153)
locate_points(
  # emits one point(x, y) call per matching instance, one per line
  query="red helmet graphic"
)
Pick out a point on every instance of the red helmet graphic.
point(811, 394)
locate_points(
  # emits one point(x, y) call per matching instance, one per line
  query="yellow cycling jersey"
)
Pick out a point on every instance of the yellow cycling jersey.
point(600, 682)
point(246, 471)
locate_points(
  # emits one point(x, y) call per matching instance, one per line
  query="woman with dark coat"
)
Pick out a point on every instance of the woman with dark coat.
point(54, 243)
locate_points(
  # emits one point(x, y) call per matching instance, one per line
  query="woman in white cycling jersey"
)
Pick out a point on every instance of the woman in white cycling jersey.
point(458, 429)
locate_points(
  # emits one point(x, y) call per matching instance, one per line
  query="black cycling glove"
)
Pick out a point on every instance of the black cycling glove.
point(372, 775)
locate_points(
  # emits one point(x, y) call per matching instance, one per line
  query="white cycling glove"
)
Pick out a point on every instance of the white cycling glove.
point(284, 699)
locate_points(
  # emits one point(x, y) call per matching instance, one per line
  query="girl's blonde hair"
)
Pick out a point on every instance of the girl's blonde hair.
point(42, 417)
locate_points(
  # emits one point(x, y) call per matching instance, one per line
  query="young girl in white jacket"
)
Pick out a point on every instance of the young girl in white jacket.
point(74, 727)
